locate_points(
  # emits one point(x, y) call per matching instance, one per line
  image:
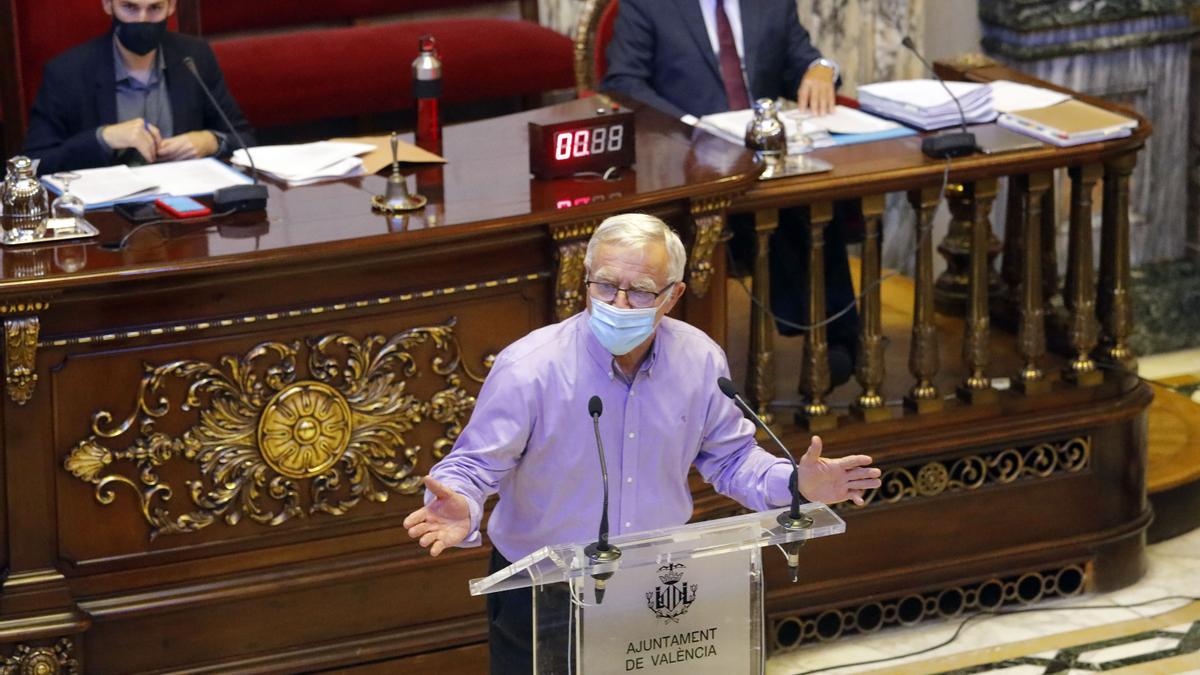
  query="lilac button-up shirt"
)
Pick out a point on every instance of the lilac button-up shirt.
point(530, 439)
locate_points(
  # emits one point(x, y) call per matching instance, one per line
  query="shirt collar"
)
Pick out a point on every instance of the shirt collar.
point(121, 73)
point(604, 358)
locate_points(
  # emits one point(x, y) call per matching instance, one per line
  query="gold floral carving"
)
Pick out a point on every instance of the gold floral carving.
point(305, 429)
point(972, 472)
point(20, 355)
point(55, 660)
point(270, 446)
point(569, 286)
point(700, 262)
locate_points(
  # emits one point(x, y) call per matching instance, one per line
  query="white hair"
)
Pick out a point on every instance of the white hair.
point(635, 230)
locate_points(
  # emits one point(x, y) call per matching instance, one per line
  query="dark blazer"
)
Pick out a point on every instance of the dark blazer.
point(660, 54)
point(78, 95)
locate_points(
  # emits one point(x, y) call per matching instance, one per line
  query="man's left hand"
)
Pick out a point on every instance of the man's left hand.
point(188, 146)
point(834, 480)
point(816, 91)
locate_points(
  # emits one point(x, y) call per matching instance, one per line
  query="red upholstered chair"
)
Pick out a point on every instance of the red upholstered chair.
point(353, 58)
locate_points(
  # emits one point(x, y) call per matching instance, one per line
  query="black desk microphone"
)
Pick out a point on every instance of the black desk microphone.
point(950, 143)
point(601, 551)
point(237, 197)
point(792, 520)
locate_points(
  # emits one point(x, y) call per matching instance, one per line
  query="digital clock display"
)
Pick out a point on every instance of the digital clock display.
point(595, 144)
point(585, 142)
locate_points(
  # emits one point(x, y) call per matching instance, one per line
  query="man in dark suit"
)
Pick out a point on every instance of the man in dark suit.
point(697, 57)
point(127, 97)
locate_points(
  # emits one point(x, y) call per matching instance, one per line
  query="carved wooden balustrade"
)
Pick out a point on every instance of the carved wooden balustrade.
point(1052, 466)
point(1086, 318)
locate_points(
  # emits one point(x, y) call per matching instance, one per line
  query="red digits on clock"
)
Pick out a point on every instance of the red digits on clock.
point(584, 142)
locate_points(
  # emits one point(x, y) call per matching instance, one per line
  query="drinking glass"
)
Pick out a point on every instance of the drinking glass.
point(67, 205)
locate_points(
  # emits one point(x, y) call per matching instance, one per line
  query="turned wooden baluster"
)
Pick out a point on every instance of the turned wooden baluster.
point(1080, 296)
point(976, 388)
point(1113, 300)
point(760, 371)
point(869, 406)
point(1026, 193)
point(1049, 226)
point(924, 397)
point(815, 415)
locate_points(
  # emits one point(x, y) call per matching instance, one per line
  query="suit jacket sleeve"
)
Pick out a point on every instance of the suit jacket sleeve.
point(210, 71)
point(49, 137)
point(801, 52)
point(631, 58)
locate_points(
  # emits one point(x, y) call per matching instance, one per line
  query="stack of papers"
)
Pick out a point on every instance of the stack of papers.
point(1069, 123)
point(844, 126)
point(1008, 96)
point(925, 104)
point(307, 163)
point(103, 187)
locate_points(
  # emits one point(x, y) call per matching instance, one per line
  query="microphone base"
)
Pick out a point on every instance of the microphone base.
point(950, 144)
point(598, 555)
point(802, 522)
point(240, 198)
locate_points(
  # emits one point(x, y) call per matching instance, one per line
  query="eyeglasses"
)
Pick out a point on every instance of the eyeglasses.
point(602, 290)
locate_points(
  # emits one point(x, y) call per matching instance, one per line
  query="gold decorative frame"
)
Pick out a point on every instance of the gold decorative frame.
point(47, 660)
point(585, 45)
point(986, 594)
point(262, 433)
point(972, 472)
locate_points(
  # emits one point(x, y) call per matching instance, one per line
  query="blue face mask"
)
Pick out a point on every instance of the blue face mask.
point(620, 330)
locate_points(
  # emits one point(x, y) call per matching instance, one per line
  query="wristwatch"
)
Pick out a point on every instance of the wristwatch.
point(828, 63)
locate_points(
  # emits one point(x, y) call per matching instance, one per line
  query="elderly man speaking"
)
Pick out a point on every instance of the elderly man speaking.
point(529, 440)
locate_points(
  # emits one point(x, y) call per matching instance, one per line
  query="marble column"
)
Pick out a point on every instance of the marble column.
point(1132, 52)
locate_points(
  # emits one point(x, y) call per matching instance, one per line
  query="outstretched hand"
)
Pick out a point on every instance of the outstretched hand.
point(834, 480)
point(443, 522)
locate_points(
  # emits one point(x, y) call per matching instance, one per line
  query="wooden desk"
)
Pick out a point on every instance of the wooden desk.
point(211, 436)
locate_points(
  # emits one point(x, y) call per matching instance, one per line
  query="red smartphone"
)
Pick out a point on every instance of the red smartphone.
point(182, 207)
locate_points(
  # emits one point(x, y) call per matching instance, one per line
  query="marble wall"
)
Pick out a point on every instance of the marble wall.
point(1134, 52)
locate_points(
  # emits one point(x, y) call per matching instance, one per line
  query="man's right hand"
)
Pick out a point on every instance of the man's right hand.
point(136, 134)
point(443, 522)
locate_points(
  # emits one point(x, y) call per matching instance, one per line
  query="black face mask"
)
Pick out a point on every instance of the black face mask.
point(139, 37)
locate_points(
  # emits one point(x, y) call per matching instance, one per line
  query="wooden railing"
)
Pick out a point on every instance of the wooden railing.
point(1087, 319)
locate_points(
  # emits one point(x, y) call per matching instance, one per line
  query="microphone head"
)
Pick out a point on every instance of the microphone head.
point(908, 43)
point(727, 387)
point(595, 406)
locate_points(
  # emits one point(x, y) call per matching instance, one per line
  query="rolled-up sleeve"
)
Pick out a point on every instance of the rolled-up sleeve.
point(491, 444)
point(733, 463)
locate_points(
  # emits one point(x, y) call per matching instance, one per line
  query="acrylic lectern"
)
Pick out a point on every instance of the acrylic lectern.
point(681, 599)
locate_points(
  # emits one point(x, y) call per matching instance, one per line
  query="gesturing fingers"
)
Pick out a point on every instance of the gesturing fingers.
point(415, 517)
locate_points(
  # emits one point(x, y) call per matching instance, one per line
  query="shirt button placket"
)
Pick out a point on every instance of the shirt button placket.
point(629, 456)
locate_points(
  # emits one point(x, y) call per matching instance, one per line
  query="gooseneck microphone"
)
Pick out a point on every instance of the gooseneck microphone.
point(951, 143)
point(601, 551)
point(793, 519)
point(237, 197)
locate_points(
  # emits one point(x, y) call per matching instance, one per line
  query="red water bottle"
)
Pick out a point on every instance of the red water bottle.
point(427, 89)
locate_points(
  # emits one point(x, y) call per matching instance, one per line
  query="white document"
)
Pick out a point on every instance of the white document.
point(107, 185)
point(845, 120)
point(307, 163)
point(1008, 96)
point(924, 94)
point(732, 127)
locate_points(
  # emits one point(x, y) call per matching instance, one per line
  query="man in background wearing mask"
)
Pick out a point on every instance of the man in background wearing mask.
point(530, 441)
point(126, 97)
